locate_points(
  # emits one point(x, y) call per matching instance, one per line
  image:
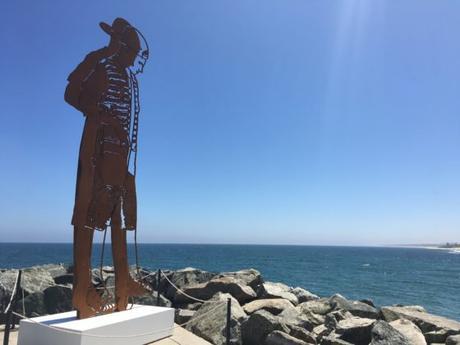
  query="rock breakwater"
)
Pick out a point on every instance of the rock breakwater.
point(262, 313)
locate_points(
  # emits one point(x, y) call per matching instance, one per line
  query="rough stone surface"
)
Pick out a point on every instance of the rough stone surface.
point(334, 339)
point(278, 290)
point(356, 308)
point(334, 317)
point(384, 334)
point(255, 329)
point(453, 340)
point(410, 331)
point(273, 305)
point(64, 279)
point(185, 278)
point(34, 305)
point(282, 338)
point(242, 293)
point(212, 326)
point(321, 306)
point(152, 300)
point(303, 295)
point(302, 334)
point(58, 299)
point(425, 321)
point(355, 330)
point(250, 277)
point(293, 316)
point(183, 315)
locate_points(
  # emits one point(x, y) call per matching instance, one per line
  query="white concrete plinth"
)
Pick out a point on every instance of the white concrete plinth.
point(137, 326)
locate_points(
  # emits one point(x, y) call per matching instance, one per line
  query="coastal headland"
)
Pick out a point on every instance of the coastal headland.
point(262, 312)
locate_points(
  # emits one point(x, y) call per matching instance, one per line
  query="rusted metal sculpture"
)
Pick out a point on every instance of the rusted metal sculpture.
point(104, 88)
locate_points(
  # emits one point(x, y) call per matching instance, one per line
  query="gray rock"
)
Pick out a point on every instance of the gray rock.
point(453, 340)
point(410, 331)
point(58, 299)
point(64, 279)
point(425, 321)
point(334, 317)
point(32, 306)
point(183, 315)
point(151, 299)
point(321, 331)
point(255, 329)
point(384, 334)
point(334, 339)
point(302, 334)
point(439, 336)
point(278, 290)
point(185, 278)
point(356, 308)
point(273, 305)
point(242, 293)
point(282, 338)
point(293, 316)
point(250, 277)
point(303, 295)
point(355, 330)
point(212, 327)
point(321, 306)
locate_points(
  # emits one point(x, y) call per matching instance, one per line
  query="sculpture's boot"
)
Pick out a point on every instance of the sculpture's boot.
point(125, 285)
point(82, 245)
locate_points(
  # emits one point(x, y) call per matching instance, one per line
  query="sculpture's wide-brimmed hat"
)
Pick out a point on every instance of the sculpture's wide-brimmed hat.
point(118, 27)
point(123, 31)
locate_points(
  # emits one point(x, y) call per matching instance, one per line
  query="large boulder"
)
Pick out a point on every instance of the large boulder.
point(186, 277)
point(384, 334)
point(33, 279)
point(302, 334)
point(334, 339)
point(407, 328)
point(255, 329)
point(250, 277)
point(278, 290)
point(356, 308)
point(425, 321)
point(183, 315)
point(273, 305)
point(293, 316)
point(282, 338)
point(355, 330)
point(205, 291)
point(453, 340)
point(58, 299)
point(334, 317)
point(209, 322)
point(303, 295)
point(321, 306)
point(33, 305)
point(151, 299)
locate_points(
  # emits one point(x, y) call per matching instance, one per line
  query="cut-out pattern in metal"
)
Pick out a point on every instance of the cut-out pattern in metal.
point(104, 88)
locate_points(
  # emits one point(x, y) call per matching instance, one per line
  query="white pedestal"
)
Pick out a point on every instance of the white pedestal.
point(137, 326)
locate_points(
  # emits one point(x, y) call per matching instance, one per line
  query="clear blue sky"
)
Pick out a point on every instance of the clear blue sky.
point(271, 121)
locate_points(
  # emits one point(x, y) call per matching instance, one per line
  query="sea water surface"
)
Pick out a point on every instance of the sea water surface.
point(409, 276)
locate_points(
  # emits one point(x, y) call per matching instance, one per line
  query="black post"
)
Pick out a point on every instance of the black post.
point(229, 313)
point(158, 286)
point(9, 310)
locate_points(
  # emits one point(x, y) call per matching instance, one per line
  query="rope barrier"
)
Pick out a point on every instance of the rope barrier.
point(221, 303)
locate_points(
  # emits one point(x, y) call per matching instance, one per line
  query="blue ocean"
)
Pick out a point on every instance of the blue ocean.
point(426, 277)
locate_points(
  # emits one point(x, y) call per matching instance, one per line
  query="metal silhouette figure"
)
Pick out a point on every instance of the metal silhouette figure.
point(104, 88)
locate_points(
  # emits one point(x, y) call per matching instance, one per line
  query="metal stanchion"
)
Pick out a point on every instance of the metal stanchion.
point(229, 313)
point(158, 286)
point(9, 310)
